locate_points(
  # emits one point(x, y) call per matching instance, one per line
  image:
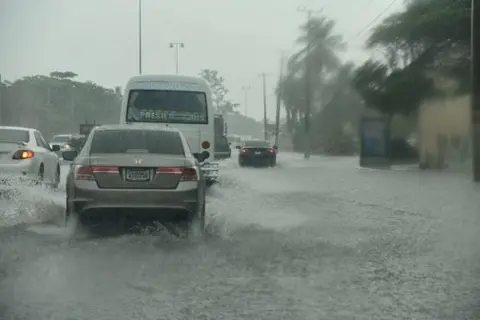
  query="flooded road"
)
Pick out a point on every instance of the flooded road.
point(317, 239)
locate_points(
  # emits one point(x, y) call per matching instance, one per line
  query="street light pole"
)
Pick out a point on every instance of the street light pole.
point(245, 92)
point(176, 45)
point(475, 100)
point(139, 36)
point(1, 106)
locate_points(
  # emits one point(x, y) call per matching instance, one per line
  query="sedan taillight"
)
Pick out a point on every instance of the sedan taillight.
point(23, 154)
point(83, 172)
point(187, 173)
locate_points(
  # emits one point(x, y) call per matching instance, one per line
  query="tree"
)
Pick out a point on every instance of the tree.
point(56, 103)
point(63, 75)
point(323, 61)
point(324, 47)
point(335, 104)
point(217, 86)
point(428, 41)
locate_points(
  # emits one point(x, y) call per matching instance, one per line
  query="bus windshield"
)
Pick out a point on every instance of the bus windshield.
point(167, 106)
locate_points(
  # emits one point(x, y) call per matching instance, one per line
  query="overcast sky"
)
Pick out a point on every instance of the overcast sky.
point(98, 39)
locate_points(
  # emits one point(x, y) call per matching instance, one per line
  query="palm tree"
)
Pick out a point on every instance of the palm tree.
point(322, 60)
point(324, 46)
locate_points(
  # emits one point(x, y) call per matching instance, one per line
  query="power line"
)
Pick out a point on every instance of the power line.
point(367, 27)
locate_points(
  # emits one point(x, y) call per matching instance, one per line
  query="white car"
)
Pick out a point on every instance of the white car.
point(62, 141)
point(25, 155)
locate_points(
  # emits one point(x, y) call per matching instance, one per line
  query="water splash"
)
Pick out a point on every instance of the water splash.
point(31, 204)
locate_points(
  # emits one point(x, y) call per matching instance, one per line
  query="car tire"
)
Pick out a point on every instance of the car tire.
point(194, 225)
point(40, 175)
point(72, 219)
point(69, 213)
point(56, 182)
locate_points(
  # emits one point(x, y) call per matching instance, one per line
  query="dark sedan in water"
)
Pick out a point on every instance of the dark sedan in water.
point(257, 152)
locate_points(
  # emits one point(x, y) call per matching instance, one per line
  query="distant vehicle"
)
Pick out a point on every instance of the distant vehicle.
point(77, 141)
point(61, 140)
point(86, 128)
point(175, 101)
point(140, 169)
point(220, 125)
point(222, 148)
point(235, 141)
point(257, 152)
point(25, 155)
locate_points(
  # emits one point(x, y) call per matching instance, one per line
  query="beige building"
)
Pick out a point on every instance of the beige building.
point(444, 132)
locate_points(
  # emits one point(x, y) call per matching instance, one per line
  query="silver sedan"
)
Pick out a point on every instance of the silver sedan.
point(136, 169)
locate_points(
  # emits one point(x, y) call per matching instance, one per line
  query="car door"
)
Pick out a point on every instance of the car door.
point(49, 158)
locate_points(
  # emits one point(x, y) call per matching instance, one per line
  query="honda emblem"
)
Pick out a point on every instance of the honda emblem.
point(138, 161)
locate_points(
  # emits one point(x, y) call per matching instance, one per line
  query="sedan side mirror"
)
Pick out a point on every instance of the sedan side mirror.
point(69, 155)
point(55, 148)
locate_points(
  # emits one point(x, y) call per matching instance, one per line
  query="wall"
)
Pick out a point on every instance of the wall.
point(444, 133)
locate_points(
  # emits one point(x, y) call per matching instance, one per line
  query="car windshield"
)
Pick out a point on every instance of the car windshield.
point(61, 139)
point(137, 141)
point(256, 144)
point(167, 106)
point(14, 135)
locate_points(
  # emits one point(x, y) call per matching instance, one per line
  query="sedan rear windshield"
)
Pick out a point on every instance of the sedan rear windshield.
point(257, 144)
point(137, 141)
point(14, 135)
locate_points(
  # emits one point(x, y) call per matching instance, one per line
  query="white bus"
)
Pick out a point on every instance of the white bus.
point(177, 101)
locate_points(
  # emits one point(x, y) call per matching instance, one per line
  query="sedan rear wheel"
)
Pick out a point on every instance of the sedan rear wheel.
point(57, 178)
point(40, 175)
point(194, 225)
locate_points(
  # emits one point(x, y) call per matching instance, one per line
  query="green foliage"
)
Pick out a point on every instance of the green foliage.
point(334, 103)
point(427, 41)
point(399, 91)
point(57, 104)
point(219, 91)
point(63, 75)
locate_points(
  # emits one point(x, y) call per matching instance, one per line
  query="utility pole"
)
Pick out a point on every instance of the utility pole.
point(265, 123)
point(1, 98)
point(279, 101)
point(475, 100)
point(245, 92)
point(177, 46)
point(139, 36)
point(308, 96)
point(72, 103)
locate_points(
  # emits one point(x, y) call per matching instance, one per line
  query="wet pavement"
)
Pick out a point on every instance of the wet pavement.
point(316, 239)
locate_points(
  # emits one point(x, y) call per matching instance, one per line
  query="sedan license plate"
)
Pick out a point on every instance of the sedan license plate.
point(258, 153)
point(138, 175)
